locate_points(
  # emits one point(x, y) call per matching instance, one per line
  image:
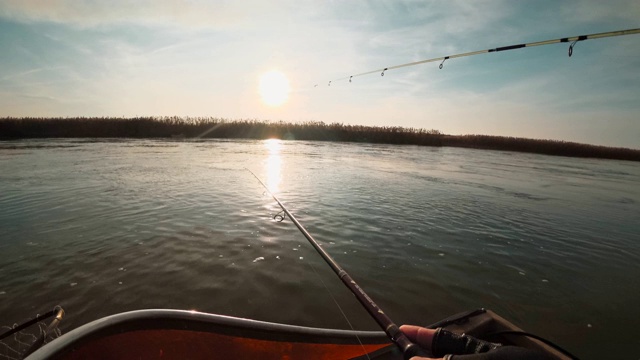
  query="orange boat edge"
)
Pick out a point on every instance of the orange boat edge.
point(184, 344)
point(177, 334)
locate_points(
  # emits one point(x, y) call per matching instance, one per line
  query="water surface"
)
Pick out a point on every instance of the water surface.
point(550, 243)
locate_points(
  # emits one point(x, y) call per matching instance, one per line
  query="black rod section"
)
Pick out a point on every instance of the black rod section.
point(56, 311)
point(408, 348)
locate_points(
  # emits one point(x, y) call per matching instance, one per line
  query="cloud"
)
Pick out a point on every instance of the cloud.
point(589, 11)
point(39, 97)
point(21, 74)
point(88, 13)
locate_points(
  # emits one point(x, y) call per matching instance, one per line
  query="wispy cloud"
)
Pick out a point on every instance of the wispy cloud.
point(39, 97)
point(20, 74)
point(593, 11)
point(87, 13)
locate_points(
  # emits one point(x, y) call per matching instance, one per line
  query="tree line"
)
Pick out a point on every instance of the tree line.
point(209, 127)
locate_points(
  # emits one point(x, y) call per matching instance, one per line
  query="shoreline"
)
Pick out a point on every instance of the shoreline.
point(178, 128)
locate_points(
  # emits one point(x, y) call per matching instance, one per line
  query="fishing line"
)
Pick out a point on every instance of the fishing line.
point(56, 311)
point(344, 315)
point(408, 348)
point(573, 40)
point(47, 333)
point(279, 217)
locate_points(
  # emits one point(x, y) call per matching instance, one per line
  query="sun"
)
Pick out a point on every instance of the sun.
point(274, 88)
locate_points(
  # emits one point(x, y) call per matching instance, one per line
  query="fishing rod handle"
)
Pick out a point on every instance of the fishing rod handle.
point(410, 349)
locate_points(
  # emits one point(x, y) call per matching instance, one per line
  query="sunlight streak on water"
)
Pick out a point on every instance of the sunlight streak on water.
point(273, 164)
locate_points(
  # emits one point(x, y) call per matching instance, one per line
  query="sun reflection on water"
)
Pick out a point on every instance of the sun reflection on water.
point(273, 164)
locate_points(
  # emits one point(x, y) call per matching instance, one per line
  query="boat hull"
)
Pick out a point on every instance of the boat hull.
point(175, 334)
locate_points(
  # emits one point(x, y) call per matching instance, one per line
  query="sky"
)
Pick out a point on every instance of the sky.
point(64, 58)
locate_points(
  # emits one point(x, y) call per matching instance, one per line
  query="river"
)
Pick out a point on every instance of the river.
point(100, 227)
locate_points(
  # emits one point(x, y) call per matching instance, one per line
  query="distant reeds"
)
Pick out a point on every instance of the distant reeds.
point(205, 127)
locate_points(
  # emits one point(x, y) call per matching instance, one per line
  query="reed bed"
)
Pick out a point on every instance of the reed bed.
point(207, 127)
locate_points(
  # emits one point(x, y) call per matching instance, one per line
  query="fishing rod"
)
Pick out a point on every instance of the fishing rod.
point(573, 40)
point(409, 349)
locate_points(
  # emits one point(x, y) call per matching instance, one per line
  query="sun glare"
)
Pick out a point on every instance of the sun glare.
point(274, 88)
point(273, 164)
